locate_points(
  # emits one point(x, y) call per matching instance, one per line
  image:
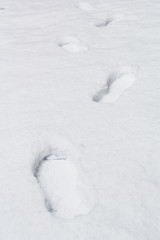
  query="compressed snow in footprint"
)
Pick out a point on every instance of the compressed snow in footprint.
point(66, 190)
point(72, 44)
point(116, 84)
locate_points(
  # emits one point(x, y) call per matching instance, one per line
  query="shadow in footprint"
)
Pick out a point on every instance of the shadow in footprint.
point(106, 88)
point(105, 23)
point(41, 158)
point(109, 20)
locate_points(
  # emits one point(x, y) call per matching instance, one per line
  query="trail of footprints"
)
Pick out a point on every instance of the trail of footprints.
point(66, 190)
point(118, 81)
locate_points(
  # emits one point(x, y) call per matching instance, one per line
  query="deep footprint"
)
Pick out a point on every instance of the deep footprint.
point(66, 190)
point(116, 84)
point(105, 23)
point(72, 44)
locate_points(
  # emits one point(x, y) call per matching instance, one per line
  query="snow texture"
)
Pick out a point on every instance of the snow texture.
point(52, 56)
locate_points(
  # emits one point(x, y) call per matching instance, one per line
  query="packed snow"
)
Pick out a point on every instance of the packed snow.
point(79, 114)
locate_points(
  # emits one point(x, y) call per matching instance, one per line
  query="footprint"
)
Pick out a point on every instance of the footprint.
point(72, 44)
point(105, 22)
point(66, 190)
point(116, 84)
point(85, 6)
point(108, 20)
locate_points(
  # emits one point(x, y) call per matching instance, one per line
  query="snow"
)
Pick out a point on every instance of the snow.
point(47, 88)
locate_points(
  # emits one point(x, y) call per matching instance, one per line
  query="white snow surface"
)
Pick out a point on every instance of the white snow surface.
point(47, 90)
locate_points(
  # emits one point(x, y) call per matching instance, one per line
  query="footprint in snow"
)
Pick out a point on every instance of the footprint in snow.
point(108, 20)
point(117, 82)
point(66, 190)
point(72, 44)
